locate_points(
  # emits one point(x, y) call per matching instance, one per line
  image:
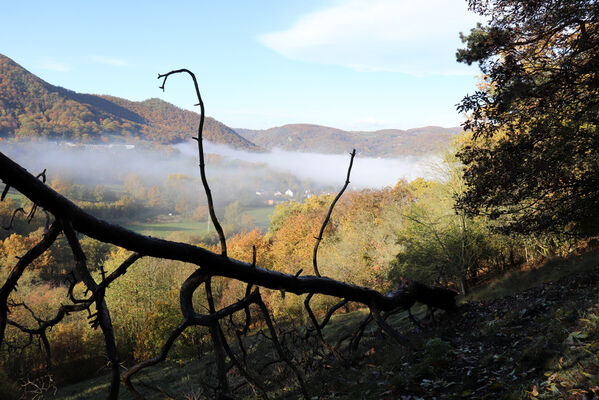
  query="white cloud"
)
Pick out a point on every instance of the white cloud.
point(115, 62)
point(418, 37)
point(55, 66)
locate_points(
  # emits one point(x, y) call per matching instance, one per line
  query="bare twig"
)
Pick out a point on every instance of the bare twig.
point(148, 363)
point(12, 219)
point(326, 220)
point(357, 336)
point(4, 192)
point(31, 213)
point(254, 381)
point(401, 339)
point(217, 226)
point(315, 323)
point(282, 353)
point(103, 315)
point(19, 268)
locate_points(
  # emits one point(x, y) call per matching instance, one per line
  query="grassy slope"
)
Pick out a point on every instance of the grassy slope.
point(534, 334)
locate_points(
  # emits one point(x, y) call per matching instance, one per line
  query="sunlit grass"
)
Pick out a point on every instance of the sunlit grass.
point(164, 229)
point(553, 269)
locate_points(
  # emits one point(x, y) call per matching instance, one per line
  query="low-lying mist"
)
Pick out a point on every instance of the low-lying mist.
point(156, 189)
point(328, 169)
point(110, 164)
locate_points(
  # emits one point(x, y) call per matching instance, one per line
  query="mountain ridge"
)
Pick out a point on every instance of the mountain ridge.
point(379, 143)
point(32, 108)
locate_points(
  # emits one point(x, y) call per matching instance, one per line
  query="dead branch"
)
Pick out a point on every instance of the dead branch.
point(4, 192)
point(12, 219)
point(17, 271)
point(148, 363)
point(401, 339)
point(277, 344)
point(199, 139)
point(73, 220)
point(103, 315)
point(357, 336)
point(211, 263)
point(330, 313)
point(254, 381)
point(326, 220)
point(38, 388)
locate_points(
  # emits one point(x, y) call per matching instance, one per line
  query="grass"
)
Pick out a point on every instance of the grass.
point(551, 270)
point(162, 230)
point(170, 380)
point(261, 216)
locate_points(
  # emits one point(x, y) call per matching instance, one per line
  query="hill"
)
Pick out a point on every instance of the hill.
point(382, 143)
point(33, 108)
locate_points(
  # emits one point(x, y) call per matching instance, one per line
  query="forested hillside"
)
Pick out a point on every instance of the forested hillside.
point(32, 108)
point(382, 143)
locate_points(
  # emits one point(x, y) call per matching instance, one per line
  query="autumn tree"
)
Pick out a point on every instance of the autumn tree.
point(533, 160)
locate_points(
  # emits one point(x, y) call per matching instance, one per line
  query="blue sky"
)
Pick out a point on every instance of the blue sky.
point(355, 64)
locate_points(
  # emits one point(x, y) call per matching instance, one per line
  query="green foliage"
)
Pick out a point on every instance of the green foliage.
point(156, 329)
point(440, 245)
point(533, 162)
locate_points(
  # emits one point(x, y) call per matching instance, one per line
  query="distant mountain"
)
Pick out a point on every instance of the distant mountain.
point(33, 108)
point(382, 143)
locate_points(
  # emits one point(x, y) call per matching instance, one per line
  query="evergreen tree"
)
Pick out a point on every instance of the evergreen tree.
point(533, 160)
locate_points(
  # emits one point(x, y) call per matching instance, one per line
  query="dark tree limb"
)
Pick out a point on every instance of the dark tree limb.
point(148, 363)
point(103, 315)
point(277, 344)
point(326, 220)
point(4, 192)
point(255, 382)
point(212, 264)
point(384, 325)
point(330, 313)
point(318, 327)
point(218, 338)
point(12, 219)
point(17, 271)
point(217, 226)
point(357, 336)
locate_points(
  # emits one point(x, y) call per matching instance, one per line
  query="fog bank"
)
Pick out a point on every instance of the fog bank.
point(109, 164)
point(328, 169)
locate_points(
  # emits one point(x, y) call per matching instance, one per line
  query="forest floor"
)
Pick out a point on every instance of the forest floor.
point(530, 334)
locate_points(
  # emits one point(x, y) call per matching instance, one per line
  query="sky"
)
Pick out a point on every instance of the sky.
point(349, 64)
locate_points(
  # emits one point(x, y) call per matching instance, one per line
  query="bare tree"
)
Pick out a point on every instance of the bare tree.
point(66, 217)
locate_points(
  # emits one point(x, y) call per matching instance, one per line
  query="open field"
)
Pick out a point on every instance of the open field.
point(162, 230)
point(261, 216)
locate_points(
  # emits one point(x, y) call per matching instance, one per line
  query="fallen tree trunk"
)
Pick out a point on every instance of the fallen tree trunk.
point(15, 176)
point(213, 264)
point(71, 219)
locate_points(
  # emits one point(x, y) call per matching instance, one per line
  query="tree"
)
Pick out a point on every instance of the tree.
point(438, 243)
point(533, 159)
